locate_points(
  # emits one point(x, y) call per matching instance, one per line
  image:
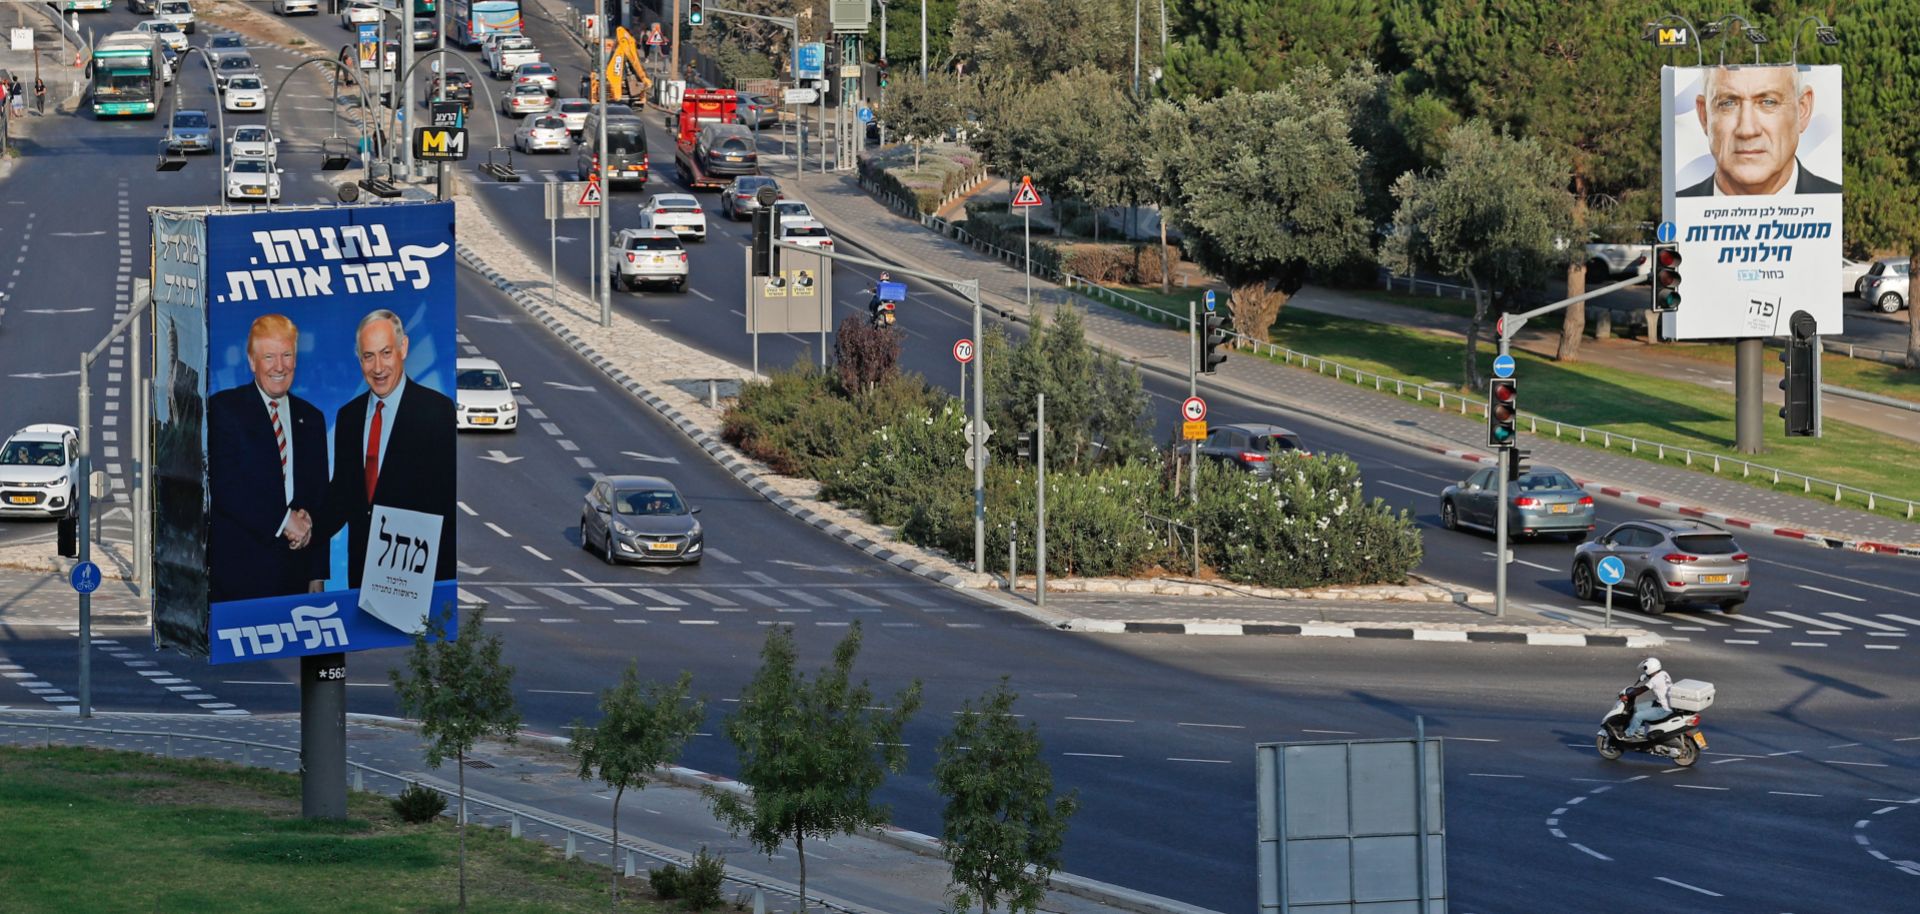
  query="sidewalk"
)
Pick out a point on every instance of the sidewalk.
point(851, 212)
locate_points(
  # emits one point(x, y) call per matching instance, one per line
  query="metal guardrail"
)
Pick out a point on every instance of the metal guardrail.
point(517, 820)
point(1177, 535)
point(1419, 391)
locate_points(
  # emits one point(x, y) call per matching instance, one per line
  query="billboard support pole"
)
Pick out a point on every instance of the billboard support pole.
point(323, 736)
point(1749, 399)
point(139, 462)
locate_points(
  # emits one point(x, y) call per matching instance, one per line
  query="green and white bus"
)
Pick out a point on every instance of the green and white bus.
point(99, 6)
point(126, 75)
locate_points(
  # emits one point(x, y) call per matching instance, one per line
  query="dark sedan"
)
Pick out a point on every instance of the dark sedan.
point(1543, 501)
point(640, 519)
point(741, 199)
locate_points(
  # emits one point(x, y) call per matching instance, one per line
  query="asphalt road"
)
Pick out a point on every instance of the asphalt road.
point(1154, 731)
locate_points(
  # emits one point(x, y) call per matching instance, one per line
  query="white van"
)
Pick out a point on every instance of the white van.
point(178, 12)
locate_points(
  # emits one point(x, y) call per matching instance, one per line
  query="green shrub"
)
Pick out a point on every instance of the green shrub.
point(944, 170)
point(667, 881)
point(1309, 526)
point(793, 422)
point(900, 463)
point(700, 883)
point(418, 804)
point(1096, 520)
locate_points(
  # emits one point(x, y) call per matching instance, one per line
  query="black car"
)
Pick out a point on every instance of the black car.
point(640, 519)
point(1248, 447)
point(741, 198)
point(727, 149)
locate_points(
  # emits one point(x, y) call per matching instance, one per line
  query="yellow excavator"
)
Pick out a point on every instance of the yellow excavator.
point(626, 78)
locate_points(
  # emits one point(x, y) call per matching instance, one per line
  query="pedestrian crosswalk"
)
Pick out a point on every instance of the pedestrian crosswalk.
point(1880, 631)
point(698, 599)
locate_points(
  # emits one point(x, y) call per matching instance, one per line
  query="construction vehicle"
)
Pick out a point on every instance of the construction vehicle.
point(700, 109)
point(626, 79)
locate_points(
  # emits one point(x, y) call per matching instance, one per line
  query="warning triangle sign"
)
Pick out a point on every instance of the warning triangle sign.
point(591, 196)
point(1026, 195)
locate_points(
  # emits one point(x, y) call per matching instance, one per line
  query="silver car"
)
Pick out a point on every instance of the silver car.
point(640, 519)
point(1542, 502)
point(1668, 562)
point(1885, 287)
point(190, 132)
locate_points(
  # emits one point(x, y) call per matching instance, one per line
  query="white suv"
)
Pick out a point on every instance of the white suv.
point(39, 470)
point(647, 256)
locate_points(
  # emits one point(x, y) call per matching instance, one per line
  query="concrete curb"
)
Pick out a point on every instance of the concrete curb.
point(1828, 540)
point(1538, 637)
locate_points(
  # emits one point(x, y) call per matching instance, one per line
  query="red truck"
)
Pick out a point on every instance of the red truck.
point(711, 148)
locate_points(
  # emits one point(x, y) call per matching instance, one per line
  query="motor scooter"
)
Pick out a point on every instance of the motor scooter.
point(1677, 736)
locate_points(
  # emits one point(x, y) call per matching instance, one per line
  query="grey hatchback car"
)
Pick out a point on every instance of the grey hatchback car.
point(1246, 447)
point(640, 519)
point(1668, 562)
point(1544, 501)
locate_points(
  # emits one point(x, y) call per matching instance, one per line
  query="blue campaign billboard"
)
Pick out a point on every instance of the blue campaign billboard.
point(329, 430)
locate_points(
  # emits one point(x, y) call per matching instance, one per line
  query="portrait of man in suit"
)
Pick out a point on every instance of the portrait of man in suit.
point(392, 446)
point(1753, 117)
point(266, 471)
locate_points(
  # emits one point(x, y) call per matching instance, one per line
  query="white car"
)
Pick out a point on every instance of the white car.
point(647, 257)
point(253, 178)
point(296, 7)
point(244, 93)
point(790, 209)
point(677, 213)
point(252, 140)
point(575, 110)
point(359, 12)
point(803, 231)
point(178, 12)
point(483, 397)
point(39, 472)
point(545, 133)
point(526, 99)
point(1853, 274)
point(166, 31)
point(539, 73)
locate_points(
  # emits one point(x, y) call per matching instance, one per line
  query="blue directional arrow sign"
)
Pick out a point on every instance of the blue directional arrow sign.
point(85, 577)
point(1611, 570)
point(1503, 367)
point(866, 115)
point(1210, 302)
point(1666, 233)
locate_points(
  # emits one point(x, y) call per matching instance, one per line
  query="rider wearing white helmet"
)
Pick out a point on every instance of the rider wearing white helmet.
point(1658, 682)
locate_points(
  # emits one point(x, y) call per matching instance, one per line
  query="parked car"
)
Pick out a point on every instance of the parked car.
point(1885, 287)
point(1668, 562)
point(1543, 502)
point(647, 256)
point(640, 519)
point(1851, 273)
point(252, 140)
point(483, 397)
point(190, 132)
point(1247, 447)
point(166, 31)
point(244, 93)
point(40, 472)
point(741, 199)
point(678, 213)
point(756, 111)
point(253, 178)
point(546, 133)
point(525, 99)
point(1607, 262)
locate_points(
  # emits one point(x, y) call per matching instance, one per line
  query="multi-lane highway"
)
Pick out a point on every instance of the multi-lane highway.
point(1802, 803)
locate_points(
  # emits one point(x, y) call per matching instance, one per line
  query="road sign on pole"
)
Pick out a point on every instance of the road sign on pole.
point(1503, 366)
point(1194, 409)
point(590, 196)
point(85, 577)
point(1193, 431)
point(963, 351)
point(1026, 195)
point(1610, 571)
point(1210, 301)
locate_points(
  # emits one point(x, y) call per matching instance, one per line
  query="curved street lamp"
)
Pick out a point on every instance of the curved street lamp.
point(1822, 32)
point(1752, 33)
point(502, 173)
point(330, 160)
point(174, 161)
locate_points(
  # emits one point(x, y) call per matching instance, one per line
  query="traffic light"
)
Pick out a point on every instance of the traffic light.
point(1802, 378)
point(696, 14)
point(1503, 412)
point(883, 73)
point(612, 12)
point(1027, 445)
point(763, 242)
point(1213, 335)
point(1517, 467)
point(1666, 277)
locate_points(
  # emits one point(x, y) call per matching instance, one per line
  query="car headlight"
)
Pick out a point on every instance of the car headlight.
point(58, 483)
point(620, 529)
point(510, 407)
point(459, 407)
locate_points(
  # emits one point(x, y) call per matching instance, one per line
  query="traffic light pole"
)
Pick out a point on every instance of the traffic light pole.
point(1193, 390)
point(1040, 501)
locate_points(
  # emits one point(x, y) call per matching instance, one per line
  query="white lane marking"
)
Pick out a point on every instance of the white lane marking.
point(1591, 852)
point(1902, 619)
point(1404, 488)
point(577, 576)
point(1476, 774)
point(1700, 787)
point(723, 557)
point(1223, 726)
point(1104, 720)
point(699, 622)
point(1853, 764)
point(557, 692)
point(560, 596)
point(1809, 644)
point(1204, 761)
point(1845, 580)
point(1690, 888)
point(467, 597)
point(1638, 617)
point(1883, 647)
point(1805, 620)
point(609, 596)
point(1092, 755)
point(1863, 623)
point(1832, 593)
point(1469, 739)
point(470, 511)
point(657, 597)
point(1740, 641)
point(497, 529)
point(1495, 555)
point(537, 554)
point(1328, 732)
point(701, 294)
point(1789, 793)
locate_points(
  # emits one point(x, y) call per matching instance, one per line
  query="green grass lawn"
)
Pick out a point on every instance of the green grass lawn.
point(1619, 402)
point(108, 832)
point(1838, 370)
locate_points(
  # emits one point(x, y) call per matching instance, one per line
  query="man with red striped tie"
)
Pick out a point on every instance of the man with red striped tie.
point(266, 470)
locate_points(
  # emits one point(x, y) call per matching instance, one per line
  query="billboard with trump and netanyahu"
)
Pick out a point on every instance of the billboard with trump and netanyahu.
point(316, 513)
point(1751, 174)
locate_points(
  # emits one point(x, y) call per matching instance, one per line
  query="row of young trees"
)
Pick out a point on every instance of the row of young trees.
point(813, 752)
point(1045, 89)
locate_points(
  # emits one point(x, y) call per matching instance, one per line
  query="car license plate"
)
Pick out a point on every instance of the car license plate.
point(1700, 739)
point(23, 499)
point(1713, 579)
point(254, 190)
point(733, 158)
point(660, 547)
point(659, 260)
point(1562, 509)
point(483, 420)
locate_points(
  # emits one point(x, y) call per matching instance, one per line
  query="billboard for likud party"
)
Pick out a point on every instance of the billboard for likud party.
point(306, 420)
point(1751, 173)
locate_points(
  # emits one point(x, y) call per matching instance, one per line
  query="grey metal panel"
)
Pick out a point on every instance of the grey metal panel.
point(1319, 871)
point(1382, 789)
point(1314, 778)
point(1385, 868)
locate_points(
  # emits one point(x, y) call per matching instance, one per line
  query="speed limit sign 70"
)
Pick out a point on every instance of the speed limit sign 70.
point(1194, 409)
point(963, 351)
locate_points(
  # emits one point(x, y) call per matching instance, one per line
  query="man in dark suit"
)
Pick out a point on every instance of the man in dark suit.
point(392, 446)
point(1753, 117)
point(266, 468)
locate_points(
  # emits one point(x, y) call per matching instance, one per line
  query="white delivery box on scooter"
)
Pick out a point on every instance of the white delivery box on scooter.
point(1691, 695)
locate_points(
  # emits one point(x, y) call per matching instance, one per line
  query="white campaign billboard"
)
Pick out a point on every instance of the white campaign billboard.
point(1750, 170)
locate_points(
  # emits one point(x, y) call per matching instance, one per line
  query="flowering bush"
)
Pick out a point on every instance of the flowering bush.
point(1309, 526)
point(900, 464)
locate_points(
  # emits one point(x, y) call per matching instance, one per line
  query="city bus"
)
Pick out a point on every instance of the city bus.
point(89, 6)
point(126, 75)
point(469, 22)
point(426, 9)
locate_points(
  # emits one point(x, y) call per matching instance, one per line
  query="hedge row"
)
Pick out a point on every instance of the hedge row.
point(897, 455)
point(944, 171)
point(1117, 263)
